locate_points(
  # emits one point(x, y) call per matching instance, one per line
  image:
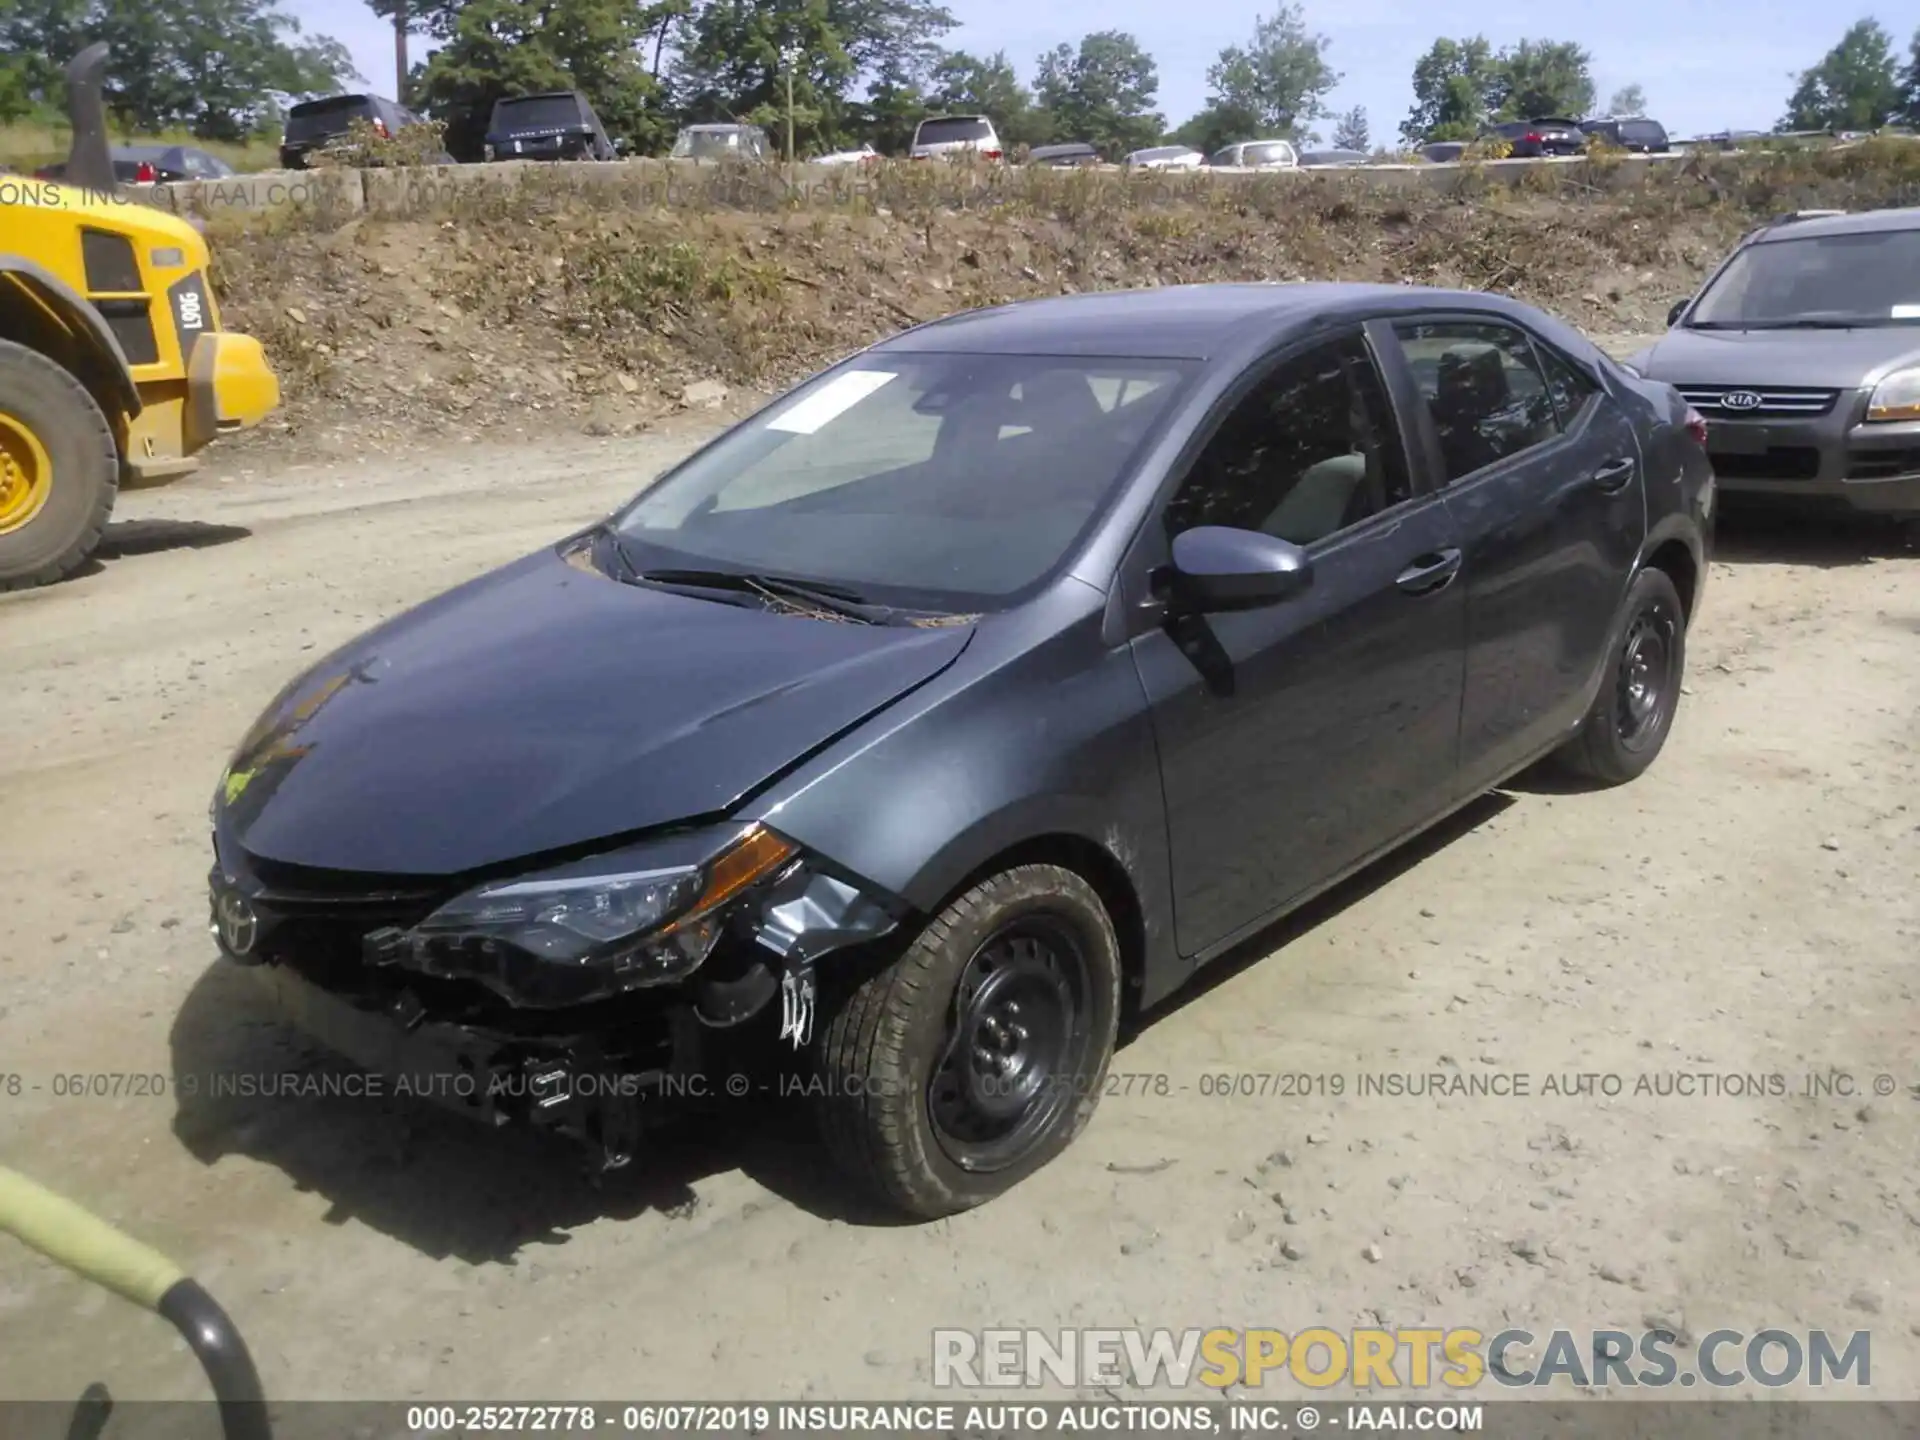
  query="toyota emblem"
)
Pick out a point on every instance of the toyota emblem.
point(235, 923)
point(1740, 400)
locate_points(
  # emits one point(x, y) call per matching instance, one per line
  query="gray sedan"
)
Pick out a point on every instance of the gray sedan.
point(980, 690)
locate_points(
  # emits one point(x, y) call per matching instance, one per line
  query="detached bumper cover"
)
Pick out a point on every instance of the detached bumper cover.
point(230, 386)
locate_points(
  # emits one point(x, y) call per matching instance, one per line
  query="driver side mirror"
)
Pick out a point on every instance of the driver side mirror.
point(1673, 315)
point(1216, 568)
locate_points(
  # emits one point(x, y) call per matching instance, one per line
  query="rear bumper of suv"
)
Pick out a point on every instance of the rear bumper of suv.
point(1811, 448)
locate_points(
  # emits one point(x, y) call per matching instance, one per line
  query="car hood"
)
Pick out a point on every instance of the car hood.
point(1828, 359)
point(544, 706)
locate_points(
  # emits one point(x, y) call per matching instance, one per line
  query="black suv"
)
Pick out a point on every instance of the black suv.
point(553, 125)
point(314, 124)
point(1548, 135)
point(1636, 133)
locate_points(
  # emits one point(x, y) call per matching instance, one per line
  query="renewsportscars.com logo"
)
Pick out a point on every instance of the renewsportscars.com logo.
point(1406, 1359)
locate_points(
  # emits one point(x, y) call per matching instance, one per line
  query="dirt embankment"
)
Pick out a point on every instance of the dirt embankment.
point(536, 315)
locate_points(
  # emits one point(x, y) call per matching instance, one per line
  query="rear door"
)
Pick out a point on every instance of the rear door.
point(1299, 739)
point(1543, 477)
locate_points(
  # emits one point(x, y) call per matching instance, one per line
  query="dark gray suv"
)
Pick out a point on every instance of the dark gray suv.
point(1802, 352)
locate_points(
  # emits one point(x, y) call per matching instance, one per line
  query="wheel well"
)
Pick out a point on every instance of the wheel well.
point(1676, 560)
point(26, 323)
point(1098, 867)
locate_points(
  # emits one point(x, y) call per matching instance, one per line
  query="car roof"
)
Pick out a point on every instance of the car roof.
point(1184, 322)
point(1861, 222)
point(321, 100)
point(540, 95)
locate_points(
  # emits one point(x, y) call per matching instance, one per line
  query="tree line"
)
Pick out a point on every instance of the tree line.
point(861, 71)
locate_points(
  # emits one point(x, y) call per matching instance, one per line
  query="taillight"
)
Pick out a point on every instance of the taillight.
point(145, 175)
point(991, 154)
point(380, 129)
point(1696, 427)
point(1533, 135)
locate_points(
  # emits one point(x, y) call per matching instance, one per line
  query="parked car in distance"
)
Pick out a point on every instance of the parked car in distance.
point(1166, 157)
point(721, 142)
point(951, 137)
point(1330, 159)
point(865, 155)
point(1533, 139)
point(552, 125)
point(1255, 155)
point(313, 124)
point(1443, 152)
point(1024, 661)
point(1634, 133)
point(1802, 351)
point(155, 165)
point(1072, 155)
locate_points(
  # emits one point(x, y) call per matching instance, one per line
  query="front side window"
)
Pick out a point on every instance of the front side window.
point(1858, 279)
point(939, 481)
point(1310, 451)
point(1483, 386)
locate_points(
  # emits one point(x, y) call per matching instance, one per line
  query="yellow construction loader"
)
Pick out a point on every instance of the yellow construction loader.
point(114, 371)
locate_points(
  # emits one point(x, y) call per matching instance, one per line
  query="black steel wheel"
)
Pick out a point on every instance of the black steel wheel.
point(1634, 711)
point(977, 1055)
point(1018, 1035)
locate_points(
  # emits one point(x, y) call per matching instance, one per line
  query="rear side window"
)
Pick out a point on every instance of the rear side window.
point(1483, 386)
point(1569, 385)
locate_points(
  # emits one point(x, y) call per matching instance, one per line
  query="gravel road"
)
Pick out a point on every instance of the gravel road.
point(1748, 910)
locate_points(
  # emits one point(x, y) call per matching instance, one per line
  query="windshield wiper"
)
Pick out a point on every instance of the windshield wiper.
point(834, 599)
point(1797, 322)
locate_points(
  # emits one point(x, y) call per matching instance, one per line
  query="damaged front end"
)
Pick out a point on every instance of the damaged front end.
point(586, 997)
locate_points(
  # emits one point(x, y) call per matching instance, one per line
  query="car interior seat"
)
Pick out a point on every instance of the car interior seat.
point(1472, 389)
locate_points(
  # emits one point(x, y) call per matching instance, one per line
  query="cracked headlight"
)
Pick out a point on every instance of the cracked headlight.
point(592, 928)
point(1897, 397)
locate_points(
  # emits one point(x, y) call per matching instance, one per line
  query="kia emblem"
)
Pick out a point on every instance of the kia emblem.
point(1740, 400)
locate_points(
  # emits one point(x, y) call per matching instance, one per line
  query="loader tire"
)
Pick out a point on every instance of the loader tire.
point(59, 470)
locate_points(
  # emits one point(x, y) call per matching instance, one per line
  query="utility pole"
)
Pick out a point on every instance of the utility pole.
point(400, 51)
point(790, 55)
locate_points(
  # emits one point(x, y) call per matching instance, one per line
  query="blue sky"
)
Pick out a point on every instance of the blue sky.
point(1705, 65)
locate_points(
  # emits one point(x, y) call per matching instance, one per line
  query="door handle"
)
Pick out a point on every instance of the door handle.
point(1429, 573)
point(1614, 477)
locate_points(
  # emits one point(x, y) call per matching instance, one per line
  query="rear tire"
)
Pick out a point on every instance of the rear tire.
point(59, 470)
point(977, 1055)
point(1633, 714)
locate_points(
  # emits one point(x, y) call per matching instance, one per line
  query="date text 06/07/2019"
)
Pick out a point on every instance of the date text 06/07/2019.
point(941, 1418)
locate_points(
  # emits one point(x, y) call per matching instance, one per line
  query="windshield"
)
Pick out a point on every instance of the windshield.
point(326, 117)
point(1643, 132)
point(537, 112)
point(1275, 153)
point(1855, 279)
point(922, 481)
point(946, 132)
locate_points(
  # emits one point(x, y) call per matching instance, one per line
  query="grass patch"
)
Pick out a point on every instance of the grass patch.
point(26, 145)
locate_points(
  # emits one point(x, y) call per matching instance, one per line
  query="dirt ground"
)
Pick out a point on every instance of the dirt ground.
point(1749, 908)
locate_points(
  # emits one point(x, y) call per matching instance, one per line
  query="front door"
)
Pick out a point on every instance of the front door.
point(1543, 479)
point(1296, 740)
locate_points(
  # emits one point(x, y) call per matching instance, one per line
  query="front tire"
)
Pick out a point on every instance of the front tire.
point(976, 1056)
point(59, 470)
point(1633, 714)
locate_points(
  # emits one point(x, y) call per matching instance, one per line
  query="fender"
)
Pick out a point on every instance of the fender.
point(72, 309)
